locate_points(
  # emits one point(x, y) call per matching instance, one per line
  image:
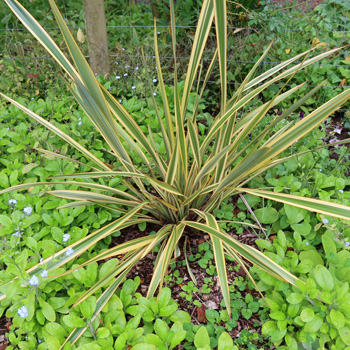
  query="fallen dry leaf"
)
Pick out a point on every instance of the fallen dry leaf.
point(201, 314)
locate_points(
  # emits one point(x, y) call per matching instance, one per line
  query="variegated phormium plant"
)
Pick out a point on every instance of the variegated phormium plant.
point(181, 191)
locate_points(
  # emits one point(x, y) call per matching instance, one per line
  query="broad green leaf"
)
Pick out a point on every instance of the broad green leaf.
point(47, 310)
point(345, 335)
point(307, 315)
point(266, 215)
point(328, 245)
point(324, 278)
point(143, 346)
point(225, 340)
point(201, 339)
point(337, 318)
point(161, 329)
point(52, 343)
point(314, 325)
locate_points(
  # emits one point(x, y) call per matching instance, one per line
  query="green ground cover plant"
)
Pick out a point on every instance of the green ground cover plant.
point(23, 223)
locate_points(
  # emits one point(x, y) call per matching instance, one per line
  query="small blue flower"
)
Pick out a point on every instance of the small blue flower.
point(123, 49)
point(341, 191)
point(126, 74)
point(127, 66)
point(346, 244)
point(79, 123)
point(32, 98)
point(120, 100)
point(117, 76)
point(69, 251)
point(158, 33)
point(34, 281)
point(307, 243)
point(116, 62)
point(44, 274)
point(12, 202)
point(65, 237)
point(154, 94)
point(41, 260)
point(27, 210)
point(154, 80)
point(325, 221)
point(133, 87)
point(22, 312)
point(137, 68)
point(17, 234)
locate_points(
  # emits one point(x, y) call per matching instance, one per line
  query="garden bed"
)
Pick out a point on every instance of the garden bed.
point(312, 246)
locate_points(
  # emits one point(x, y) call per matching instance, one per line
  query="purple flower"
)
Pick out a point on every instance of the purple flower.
point(301, 115)
point(338, 129)
point(22, 312)
point(250, 136)
point(320, 127)
point(325, 221)
point(333, 140)
point(346, 244)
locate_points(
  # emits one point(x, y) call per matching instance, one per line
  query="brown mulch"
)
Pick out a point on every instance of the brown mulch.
point(4, 324)
point(144, 270)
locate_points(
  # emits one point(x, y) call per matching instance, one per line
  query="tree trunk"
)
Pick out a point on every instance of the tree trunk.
point(96, 33)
